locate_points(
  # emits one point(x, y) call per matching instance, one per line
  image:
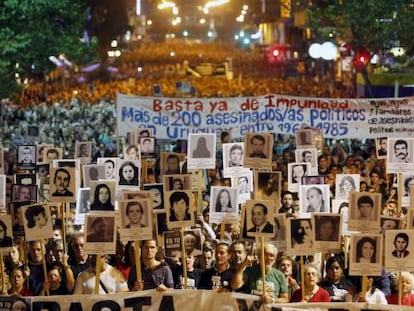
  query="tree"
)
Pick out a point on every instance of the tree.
point(32, 31)
point(374, 24)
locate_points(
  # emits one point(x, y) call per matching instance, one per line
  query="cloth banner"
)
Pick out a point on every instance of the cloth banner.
point(175, 118)
point(177, 300)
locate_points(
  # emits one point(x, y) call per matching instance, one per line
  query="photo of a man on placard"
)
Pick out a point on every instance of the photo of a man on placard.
point(401, 241)
point(260, 216)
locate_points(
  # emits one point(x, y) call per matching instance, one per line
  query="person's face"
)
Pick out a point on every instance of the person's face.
point(128, 172)
point(287, 200)
point(334, 272)
point(61, 181)
point(189, 261)
point(374, 178)
point(19, 306)
point(14, 254)
point(238, 253)
point(134, 214)
point(243, 185)
point(286, 267)
point(311, 276)
point(388, 224)
point(132, 154)
point(2, 233)
point(27, 155)
point(257, 145)
point(347, 186)
point(173, 163)
point(17, 277)
point(258, 216)
point(306, 227)
point(314, 198)
point(36, 252)
point(41, 220)
point(400, 244)
point(51, 156)
point(236, 156)
point(178, 185)
point(156, 197)
point(224, 199)
point(54, 277)
point(77, 246)
point(367, 250)
point(146, 145)
point(149, 249)
point(24, 194)
point(401, 151)
point(383, 144)
point(269, 255)
point(222, 255)
point(189, 242)
point(100, 228)
point(109, 170)
point(298, 173)
point(406, 285)
point(208, 258)
point(307, 157)
point(365, 210)
point(103, 195)
point(326, 229)
point(180, 209)
point(58, 252)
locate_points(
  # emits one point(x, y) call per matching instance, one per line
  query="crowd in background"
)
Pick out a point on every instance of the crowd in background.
point(65, 116)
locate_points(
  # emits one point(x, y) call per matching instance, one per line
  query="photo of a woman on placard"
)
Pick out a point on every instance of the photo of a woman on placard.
point(346, 185)
point(366, 249)
point(128, 174)
point(36, 217)
point(223, 201)
point(301, 233)
point(5, 240)
point(102, 199)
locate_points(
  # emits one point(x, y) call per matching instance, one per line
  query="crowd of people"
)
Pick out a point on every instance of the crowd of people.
point(226, 262)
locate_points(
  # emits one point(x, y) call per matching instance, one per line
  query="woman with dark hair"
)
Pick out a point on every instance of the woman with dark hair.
point(366, 250)
point(18, 284)
point(336, 283)
point(374, 294)
point(102, 199)
point(223, 201)
point(36, 216)
point(5, 241)
point(128, 174)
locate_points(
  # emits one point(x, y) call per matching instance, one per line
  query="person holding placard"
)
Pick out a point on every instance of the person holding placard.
point(312, 292)
point(155, 274)
point(18, 287)
point(78, 259)
point(407, 286)
point(249, 274)
point(36, 277)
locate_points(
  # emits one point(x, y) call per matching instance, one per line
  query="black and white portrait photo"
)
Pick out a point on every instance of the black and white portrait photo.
point(201, 151)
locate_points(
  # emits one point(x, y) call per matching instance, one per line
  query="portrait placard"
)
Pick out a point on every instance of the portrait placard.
point(100, 231)
point(135, 219)
point(258, 150)
point(260, 219)
point(37, 222)
point(364, 211)
point(223, 205)
point(233, 156)
point(178, 210)
point(400, 158)
point(399, 252)
point(327, 233)
point(201, 151)
point(366, 254)
point(300, 231)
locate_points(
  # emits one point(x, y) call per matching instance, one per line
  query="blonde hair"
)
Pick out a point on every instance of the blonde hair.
point(408, 276)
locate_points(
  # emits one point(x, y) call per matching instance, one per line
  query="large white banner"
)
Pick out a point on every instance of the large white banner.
point(175, 118)
point(177, 300)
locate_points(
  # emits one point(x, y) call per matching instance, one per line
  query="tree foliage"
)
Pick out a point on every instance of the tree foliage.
point(31, 31)
point(375, 24)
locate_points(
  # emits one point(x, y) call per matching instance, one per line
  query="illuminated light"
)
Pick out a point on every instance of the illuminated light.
point(172, 53)
point(241, 34)
point(245, 7)
point(240, 19)
point(149, 22)
point(111, 53)
point(246, 40)
point(243, 12)
point(175, 10)
point(166, 5)
point(206, 10)
point(202, 20)
point(139, 69)
point(275, 52)
point(211, 4)
point(117, 53)
point(114, 43)
point(398, 51)
point(236, 37)
point(256, 35)
point(138, 7)
point(75, 92)
point(329, 50)
point(185, 33)
point(210, 34)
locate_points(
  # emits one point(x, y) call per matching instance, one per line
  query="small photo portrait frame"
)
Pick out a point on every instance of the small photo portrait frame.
point(244, 185)
point(111, 167)
point(83, 151)
point(97, 190)
point(344, 184)
point(366, 260)
point(260, 218)
point(100, 233)
point(132, 152)
point(62, 184)
point(341, 207)
point(258, 150)
point(171, 163)
point(178, 209)
point(40, 152)
point(157, 196)
point(147, 146)
point(6, 242)
point(313, 180)
point(32, 133)
point(177, 182)
point(314, 199)
point(224, 214)
point(233, 159)
point(24, 193)
point(295, 173)
point(129, 210)
point(52, 153)
point(399, 252)
point(304, 138)
point(280, 229)
point(92, 172)
point(309, 155)
point(328, 231)
point(26, 157)
point(381, 147)
point(82, 205)
point(201, 151)
point(128, 173)
point(362, 218)
point(301, 233)
point(37, 222)
point(268, 186)
point(400, 156)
